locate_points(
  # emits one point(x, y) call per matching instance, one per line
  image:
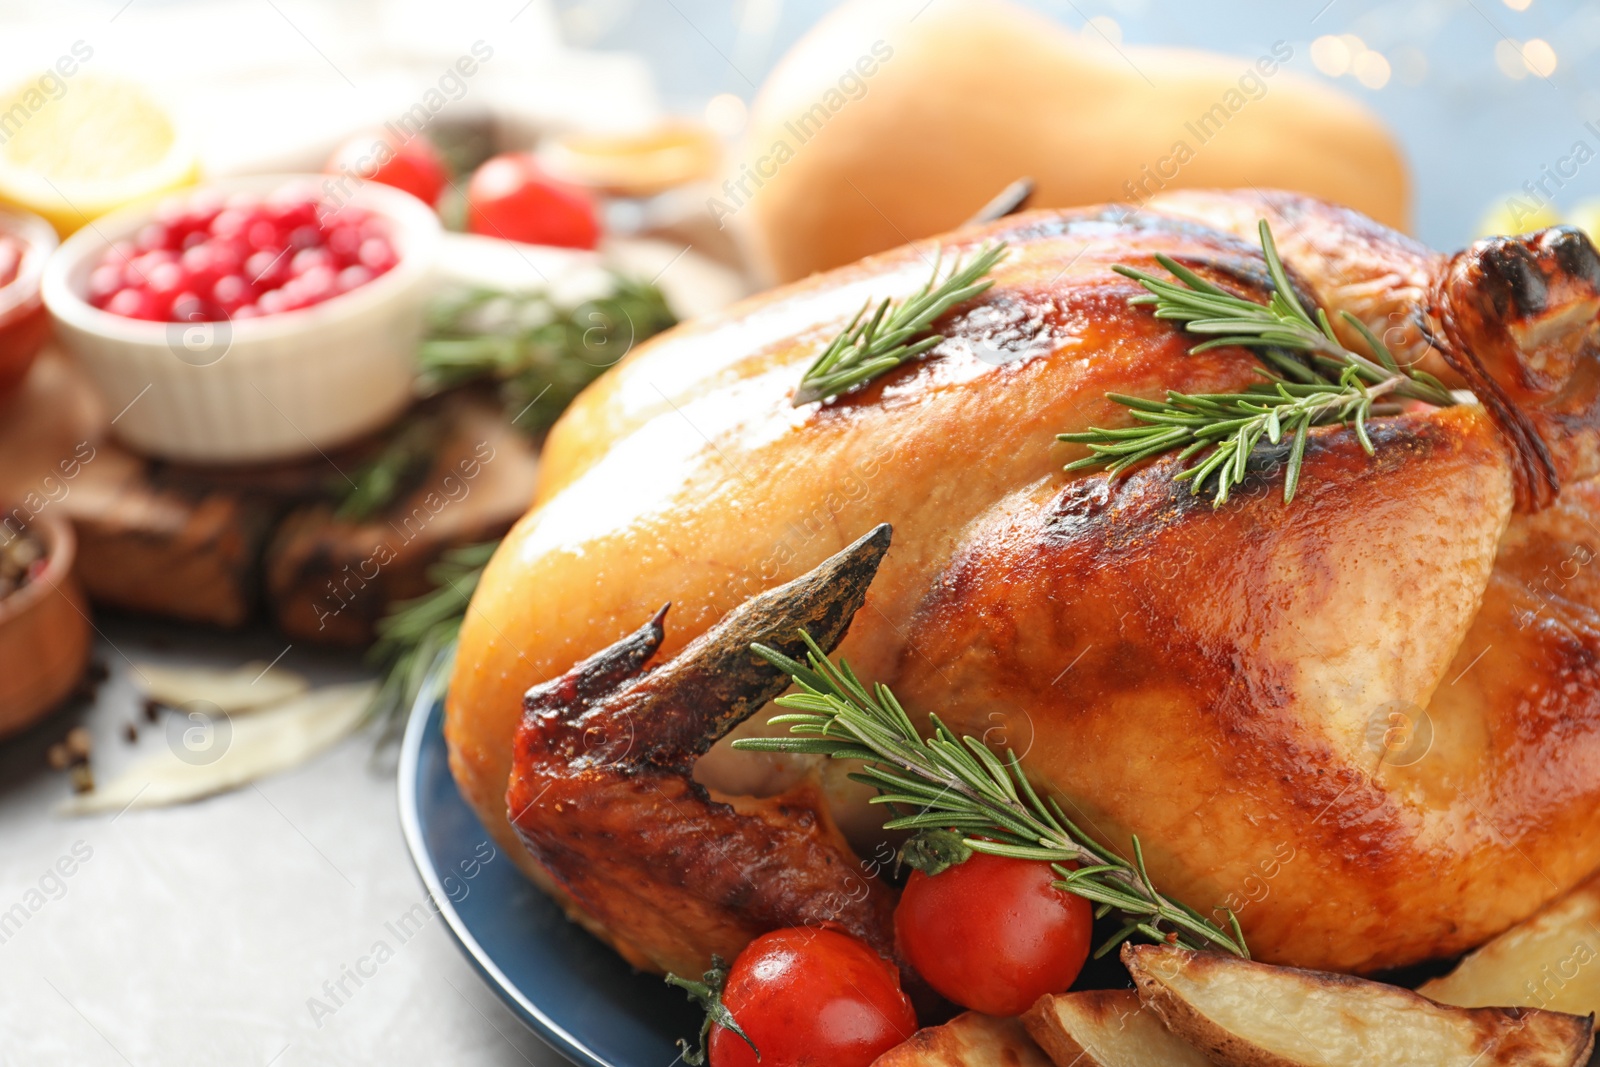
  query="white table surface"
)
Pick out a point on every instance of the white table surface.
point(198, 934)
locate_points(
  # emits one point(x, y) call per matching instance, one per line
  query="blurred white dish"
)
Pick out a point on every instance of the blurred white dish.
point(268, 388)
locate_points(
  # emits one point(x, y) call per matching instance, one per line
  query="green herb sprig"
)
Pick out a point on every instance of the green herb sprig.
point(417, 638)
point(956, 783)
point(404, 458)
point(896, 332)
point(541, 352)
point(708, 993)
point(1311, 379)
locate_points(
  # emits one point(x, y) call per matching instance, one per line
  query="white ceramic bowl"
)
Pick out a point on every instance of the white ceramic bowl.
point(269, 388)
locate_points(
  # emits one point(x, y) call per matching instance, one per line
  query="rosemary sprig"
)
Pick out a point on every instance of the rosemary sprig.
point(404, 458)
point(872, 345)
point(1232, 425)
point(540, 351)
point(956, 783)
point(417, 638)
point(1312, 379)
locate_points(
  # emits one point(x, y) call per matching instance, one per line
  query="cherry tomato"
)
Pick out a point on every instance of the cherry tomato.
point(413, 164)
point(512, 197)
point(811, 997)
point(993, 934)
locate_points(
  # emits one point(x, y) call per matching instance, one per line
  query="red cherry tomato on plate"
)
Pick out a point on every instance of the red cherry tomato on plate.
point(993, 934)
point(811, 997)
point(512, 197)
point(378, 156)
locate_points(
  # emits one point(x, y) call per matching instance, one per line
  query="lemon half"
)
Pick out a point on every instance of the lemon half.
point(98, 145)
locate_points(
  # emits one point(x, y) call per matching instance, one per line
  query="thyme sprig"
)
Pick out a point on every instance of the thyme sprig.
point(1311, 379)
point(956, 783)
point(897, 331)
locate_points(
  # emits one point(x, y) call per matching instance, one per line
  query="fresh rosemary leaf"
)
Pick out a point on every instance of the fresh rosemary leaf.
point(896, 331)
point(1328, 385)
point(417, 638)
point(541, 352)
point(957, 783)
point(405, 457)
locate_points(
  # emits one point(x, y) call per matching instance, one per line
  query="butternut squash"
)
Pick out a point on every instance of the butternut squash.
point(897, 119)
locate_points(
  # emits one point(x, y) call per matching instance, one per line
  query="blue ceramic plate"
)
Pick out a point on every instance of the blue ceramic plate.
point(570, 989)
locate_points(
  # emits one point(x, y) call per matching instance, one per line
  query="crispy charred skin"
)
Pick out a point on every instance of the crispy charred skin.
point(602, 796)
point(1517, 317)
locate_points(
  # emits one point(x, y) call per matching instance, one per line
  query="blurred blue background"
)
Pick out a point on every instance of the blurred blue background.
point(1482, 93)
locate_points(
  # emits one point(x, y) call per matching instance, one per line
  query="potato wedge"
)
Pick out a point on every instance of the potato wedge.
point(1246, 1014)
point(1550, 961)
point(968, 1040)
point(1105, 1028)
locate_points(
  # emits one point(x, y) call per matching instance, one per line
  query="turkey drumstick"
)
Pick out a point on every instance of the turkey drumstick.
point(602, 793)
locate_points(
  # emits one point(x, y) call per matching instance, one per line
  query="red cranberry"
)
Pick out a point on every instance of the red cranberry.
point(206, 258)
point(140, 267)
point(377, 254)
point(231, 222)
point(263, 234)
point(317, 284)
point(303, 237)
point(345, 242)
point(307, 258)
point(104, 283)
point(187, 307)
point(199, 263)
point(353, 278)
point(266, 269)
point(165, 279)
point(133, 304)
point(292, 214)
point(232, 292)
point(154, 236)
point(227, 256)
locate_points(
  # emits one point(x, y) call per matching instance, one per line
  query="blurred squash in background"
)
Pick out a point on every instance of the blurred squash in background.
point(891, 121)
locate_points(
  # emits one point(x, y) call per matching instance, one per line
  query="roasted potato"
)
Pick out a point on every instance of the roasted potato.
point(1246, 1014)
point(1105, 1028)
point(1550, 961)
point(968, 1040)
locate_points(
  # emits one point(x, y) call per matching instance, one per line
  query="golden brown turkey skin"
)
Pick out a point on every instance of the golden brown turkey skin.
point(1233, 661)
point(1220, 682)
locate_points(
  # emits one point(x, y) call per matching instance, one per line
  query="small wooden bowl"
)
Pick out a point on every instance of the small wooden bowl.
point(44, 632)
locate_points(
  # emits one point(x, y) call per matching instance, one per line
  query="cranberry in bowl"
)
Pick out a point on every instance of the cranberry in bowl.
point(251, 320)
point(26, 241)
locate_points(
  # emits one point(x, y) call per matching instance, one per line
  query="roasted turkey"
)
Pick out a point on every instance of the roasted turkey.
point(1368, 720)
